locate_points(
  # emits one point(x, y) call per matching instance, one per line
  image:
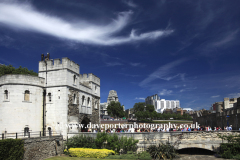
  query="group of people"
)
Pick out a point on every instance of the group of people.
point(132, 130)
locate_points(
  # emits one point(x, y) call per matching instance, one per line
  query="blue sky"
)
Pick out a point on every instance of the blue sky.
point(186, 50)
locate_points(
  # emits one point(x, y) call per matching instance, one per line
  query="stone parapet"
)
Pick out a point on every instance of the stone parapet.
point(57, 64)
point(21, 79)
point(89, 77)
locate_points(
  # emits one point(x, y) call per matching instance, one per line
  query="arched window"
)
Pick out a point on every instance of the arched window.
point(26, 130)
point(27, 95)
point(83, 100)
point(6, 95)
point(95, 89)
point(49, 97)
point(88, 102)
point(74, 79)
point(95, 105)
point(74, 99)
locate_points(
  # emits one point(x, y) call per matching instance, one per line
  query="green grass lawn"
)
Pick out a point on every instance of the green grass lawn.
point(76, 158)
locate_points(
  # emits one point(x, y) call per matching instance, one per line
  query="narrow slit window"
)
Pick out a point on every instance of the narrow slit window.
point(88, 102)
point(95, 89)
point(83, 100)
point(74, 79)
point(74, 99)
point(49, 97)
point(6, 95)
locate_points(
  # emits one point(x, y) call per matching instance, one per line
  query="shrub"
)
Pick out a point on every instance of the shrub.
point(163, 151)
point(232, 149)
point(80, 141)
point(125, 144)
point(101, 138)
point(90, 153)
point(237, 157)
point(114, 143)
point(11, 149)
point(228, 150)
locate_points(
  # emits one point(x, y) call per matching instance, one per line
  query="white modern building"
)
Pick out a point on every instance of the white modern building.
point(57, 97)
point(161, 104)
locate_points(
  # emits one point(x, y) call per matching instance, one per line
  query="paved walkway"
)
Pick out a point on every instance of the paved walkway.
point(198, 157)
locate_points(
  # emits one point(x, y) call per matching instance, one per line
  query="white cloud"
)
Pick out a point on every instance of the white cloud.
point(25, 17)
point(165, 92)
point(163, 72)
point(113, 64)
point(130, 3)
point(215, 96)
point(182, 90)
point(234, 95)
point(228, 38)
point(140, 98)
point(135, 64)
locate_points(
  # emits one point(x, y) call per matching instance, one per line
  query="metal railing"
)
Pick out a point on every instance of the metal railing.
point(21, 135)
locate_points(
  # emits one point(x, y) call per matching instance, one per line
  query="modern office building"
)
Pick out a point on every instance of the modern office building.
point(161, 104)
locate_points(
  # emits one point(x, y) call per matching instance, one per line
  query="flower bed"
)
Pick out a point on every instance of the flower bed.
point(89, 152)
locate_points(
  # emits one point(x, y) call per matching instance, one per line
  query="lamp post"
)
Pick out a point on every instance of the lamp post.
point(227, 117)
point(236, 122)
point(221, 122)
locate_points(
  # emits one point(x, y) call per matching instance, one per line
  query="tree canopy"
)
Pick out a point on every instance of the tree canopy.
point(115, 109)
point(12, 70)
point(138, 107)
point(141, 112)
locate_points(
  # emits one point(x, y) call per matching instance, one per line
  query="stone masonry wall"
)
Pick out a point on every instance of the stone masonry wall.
point(214, 120)
point(43, 147)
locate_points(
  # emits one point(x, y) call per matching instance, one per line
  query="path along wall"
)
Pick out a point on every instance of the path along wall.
point(43, 147)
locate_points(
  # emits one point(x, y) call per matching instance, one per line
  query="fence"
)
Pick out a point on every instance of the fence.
point(19, 135)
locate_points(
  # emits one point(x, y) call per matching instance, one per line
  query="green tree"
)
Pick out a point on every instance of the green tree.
point(138, 107)
point(115, 109)
point(12, 70)
point(150, 108)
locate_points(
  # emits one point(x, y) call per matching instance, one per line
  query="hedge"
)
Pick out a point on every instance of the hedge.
point(89, 152)
point(229, 150)
point(11, 149)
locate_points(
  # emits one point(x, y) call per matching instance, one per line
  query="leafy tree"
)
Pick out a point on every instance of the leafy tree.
point(150, 108)
point(115, 109)
point(12, 70)
point(138, 107)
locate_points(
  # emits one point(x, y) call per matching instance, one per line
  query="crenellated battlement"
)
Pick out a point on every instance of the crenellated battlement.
point(89, 77)
point(57, 64)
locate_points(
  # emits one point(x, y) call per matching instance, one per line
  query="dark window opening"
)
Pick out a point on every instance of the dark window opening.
point(6, 94)
point(26, 95)
point(26, 131)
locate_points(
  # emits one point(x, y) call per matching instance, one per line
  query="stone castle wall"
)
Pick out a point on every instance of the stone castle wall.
point(43, 147)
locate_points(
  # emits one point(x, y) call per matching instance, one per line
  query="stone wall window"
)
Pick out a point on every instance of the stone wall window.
point(6, 95)
point(49, 97)
point(74, 80)
point(27, 95)
point(95, 105)
point(96, 89)
point(74, 99)
point(83, 100)
point(88, 102)
point(26, 130)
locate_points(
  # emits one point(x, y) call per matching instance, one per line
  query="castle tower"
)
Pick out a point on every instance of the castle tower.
point(112, 96)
